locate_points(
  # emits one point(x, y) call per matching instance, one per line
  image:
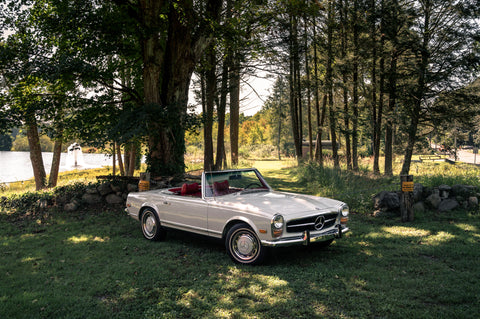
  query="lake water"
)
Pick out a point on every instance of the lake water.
point(16, 166)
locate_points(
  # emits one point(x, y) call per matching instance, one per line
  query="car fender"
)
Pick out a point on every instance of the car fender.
point(152, 206)
point(240, 219)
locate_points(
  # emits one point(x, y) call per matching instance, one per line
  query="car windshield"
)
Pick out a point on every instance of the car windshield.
point(228, 182)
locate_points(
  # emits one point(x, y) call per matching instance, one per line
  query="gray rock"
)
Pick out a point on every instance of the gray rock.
point(70, 207)
point(386, 201)
point(445, 191)
point(473, 201)
point(464, 190)
point(434, 200)
point(92, 199)
point(444, 188)
point(104, 189)
point(418, 192)
point(91, 191)
point(132, 188)
point(447, 205)
point(113, 199)
point(116, 188)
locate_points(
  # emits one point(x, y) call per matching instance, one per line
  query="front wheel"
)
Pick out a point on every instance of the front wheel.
point(243, 245)
point(151, 228)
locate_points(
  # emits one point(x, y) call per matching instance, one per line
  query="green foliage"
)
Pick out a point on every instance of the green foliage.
point(435, 174)
point(32, 202)
point(354, 188)
point(5, 142)
point(20, 144)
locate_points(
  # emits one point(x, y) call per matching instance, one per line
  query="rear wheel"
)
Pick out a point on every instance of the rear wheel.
point(243, 245)
point(151, 228)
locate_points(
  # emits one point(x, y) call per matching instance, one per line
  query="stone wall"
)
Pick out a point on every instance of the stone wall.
point(441, 199)
point(105, 193)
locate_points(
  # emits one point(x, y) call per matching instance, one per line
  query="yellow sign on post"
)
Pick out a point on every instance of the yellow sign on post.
point(407, 187)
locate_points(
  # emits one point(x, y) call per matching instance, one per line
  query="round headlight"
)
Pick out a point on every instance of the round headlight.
point(345, 210)
point(277, 225)
point(277, 221)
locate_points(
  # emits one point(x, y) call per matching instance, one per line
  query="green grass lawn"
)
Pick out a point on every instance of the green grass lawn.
point(96, 264)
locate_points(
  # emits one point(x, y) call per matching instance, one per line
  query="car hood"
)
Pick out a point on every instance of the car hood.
point(290, 205)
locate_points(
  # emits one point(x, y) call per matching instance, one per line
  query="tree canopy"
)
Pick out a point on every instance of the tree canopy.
point(372, 76)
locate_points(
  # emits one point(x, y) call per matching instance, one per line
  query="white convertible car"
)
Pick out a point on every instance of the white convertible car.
point(239, 207)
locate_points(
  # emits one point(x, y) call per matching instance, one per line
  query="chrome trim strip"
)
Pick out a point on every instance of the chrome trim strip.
point(305, 238)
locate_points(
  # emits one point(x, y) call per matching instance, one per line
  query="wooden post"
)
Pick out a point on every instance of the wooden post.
point(406, 198)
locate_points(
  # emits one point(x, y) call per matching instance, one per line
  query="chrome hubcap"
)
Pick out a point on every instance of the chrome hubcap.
point(149, 225)
point(245, 246)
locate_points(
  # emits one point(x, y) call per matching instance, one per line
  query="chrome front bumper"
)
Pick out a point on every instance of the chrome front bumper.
point(307, 238)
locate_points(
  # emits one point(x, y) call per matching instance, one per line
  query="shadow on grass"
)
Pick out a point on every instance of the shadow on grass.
point(98, 265)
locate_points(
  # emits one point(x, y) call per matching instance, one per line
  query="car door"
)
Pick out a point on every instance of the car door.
point(185, 213)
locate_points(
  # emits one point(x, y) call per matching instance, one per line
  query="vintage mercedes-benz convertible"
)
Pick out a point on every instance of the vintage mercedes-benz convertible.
point(239, 207)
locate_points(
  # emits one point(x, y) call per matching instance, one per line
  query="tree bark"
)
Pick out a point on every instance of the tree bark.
point(419, 90)
point(132, 156)
point(210, 92)
point(118, 151)
point(294, 94)
point(376, 118)
point(57, 153)
point(392, 94)
point(234, 109)
point(329, 83)
point(308, 86)
point(35, 152)
point(344, 40)
point(220, 156)
point(355, 98)
point(320, 117)
point(169, 59)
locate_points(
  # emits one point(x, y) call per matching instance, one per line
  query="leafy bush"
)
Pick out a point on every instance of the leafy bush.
point(354, 188)
point(435, 174)
point(35, 201)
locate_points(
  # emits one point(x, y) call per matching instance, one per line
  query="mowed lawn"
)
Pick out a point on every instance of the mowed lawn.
point(96, 264)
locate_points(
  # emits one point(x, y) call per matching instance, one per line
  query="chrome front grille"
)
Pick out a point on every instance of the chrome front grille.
point(312, 223)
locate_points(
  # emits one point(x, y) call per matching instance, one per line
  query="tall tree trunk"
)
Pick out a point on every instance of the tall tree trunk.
point(308, 85)
point(420, 89)
point(279, 132)
point(220, 159)
point(319, 146)
point(114, 160)
point(355, 99)
point(120, 160)
point(329, 83)
point(57, 154)
point(294, 94)
point(169, 60)
point(381, 84)
point(132, 156)
point(392, 97)
point(298, 95)
point(210, 90)
point(376, 118)
point(234, 109)
point(344, 40)
point(320, 117)
point(35, 152)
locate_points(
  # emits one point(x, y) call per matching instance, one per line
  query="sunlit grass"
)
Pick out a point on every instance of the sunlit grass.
point(96, 264)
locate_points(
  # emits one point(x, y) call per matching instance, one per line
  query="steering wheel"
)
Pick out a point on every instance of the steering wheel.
point(253, 184)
